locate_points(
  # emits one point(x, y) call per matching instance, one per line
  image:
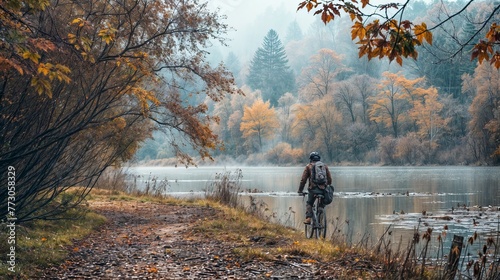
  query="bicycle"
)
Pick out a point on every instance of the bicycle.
point(317, 227)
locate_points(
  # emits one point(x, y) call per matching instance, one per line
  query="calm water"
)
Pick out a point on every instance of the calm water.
point(368, 199)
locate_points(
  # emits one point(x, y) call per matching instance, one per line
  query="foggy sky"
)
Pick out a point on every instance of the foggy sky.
point(253, 19)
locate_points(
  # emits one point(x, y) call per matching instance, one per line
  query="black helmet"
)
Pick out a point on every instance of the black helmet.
point(314, 156)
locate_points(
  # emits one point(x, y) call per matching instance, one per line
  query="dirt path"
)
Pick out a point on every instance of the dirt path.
point(155, 241)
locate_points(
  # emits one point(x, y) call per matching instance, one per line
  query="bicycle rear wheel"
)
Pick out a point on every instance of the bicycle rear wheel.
point(309, 230)
point(315, 219)
point(321, 230)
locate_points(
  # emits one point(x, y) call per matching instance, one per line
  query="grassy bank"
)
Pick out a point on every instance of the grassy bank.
point(237, 226)
point(42, 243)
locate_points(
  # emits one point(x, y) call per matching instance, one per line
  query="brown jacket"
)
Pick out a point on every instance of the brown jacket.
point(306, 176)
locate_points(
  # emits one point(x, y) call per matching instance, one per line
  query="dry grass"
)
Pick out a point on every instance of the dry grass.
point(225, 188)
point(237, 225)
point(418, 261)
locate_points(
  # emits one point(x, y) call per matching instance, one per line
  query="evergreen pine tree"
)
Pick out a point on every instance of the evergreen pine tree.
point(269, 70)
point(233, 64)
point(294, 32)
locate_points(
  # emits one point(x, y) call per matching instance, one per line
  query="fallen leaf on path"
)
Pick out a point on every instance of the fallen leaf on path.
point(153, 270)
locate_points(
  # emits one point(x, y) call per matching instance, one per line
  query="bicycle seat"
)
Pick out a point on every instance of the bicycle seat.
point(319, 195)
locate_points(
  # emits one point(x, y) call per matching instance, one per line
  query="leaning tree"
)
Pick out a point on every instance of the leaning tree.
point(83, 83)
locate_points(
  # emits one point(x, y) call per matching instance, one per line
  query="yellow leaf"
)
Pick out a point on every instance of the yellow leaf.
point(42, 69)
point(71, 38)
point(88, 57)
point(358, 30)
point(63, 68)
point(42, 86)
point(107, 34)
point(33, 56)
point(78, 21)
point(421, 33)
point(393, 24)
point(428, 37)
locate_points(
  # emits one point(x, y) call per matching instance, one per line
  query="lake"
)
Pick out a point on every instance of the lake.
point(450, 199)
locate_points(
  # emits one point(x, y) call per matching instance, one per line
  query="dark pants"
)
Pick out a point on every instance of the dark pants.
point(310, 200)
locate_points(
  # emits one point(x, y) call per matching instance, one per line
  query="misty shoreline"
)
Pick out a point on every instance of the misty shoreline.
point(226, 161)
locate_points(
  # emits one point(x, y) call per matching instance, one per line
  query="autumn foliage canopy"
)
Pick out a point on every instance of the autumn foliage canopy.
point(383, 32)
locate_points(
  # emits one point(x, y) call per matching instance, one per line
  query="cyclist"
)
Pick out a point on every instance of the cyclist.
point(313, 188)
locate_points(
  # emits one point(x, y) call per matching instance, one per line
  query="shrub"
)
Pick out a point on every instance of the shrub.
point(386, 149)
point(284, 154)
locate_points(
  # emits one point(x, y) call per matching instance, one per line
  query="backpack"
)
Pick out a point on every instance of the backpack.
point(328, 195)
point(318, 173)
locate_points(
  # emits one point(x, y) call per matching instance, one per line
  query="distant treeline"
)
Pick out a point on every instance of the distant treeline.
point(313, 93)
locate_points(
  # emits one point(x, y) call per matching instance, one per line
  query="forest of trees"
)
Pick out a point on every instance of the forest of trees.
point(442, 108)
